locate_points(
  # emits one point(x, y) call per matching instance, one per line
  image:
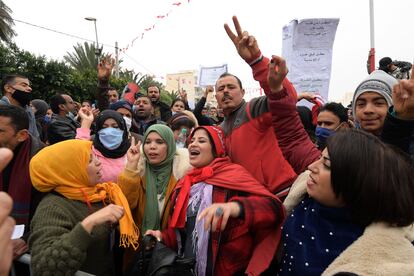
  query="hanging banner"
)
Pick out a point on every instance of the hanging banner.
point(209, 75)
point(159, 17)
point(307, 47)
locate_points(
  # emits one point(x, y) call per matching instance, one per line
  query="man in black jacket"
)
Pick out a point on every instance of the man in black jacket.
point(62, 127)
point(17, 91)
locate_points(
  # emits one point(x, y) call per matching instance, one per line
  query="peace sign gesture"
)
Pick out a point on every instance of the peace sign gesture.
point(246, 44)
point(133, 155)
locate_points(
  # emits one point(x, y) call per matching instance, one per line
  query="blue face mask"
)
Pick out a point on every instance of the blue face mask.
point(47, 119)
point(322, 135)
point(111, 138)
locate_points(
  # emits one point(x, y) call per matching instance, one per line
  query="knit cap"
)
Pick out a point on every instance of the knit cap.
point(379, 82)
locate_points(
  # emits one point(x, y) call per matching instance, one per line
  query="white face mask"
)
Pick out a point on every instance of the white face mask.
point(128, 122)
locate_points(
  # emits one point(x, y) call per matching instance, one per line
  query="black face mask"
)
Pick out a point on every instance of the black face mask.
point(22, 97)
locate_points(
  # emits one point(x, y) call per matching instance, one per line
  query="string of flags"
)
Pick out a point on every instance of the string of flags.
point(161, 16)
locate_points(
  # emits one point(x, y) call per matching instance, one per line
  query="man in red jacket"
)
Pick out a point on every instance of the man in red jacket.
point(250, 138)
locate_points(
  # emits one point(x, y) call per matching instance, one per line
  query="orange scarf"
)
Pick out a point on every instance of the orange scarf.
point(62, 168)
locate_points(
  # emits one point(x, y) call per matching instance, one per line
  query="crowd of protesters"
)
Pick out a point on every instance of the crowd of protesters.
point(263, 187)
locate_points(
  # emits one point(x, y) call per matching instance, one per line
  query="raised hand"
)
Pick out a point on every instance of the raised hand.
point(218, 214)
point(111, 214)
point(403, 98)
point(209, 89)
point(133, 155)
point(277, 73)
point(85, 114)
point(105, 67)
point(246, 44)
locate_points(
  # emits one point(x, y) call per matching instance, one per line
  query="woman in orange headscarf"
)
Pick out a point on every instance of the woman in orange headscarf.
point(72, 227)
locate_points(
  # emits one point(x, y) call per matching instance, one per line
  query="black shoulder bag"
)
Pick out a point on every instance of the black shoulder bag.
point(155, 259)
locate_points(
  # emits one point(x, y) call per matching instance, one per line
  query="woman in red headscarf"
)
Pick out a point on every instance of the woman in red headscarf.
point(222, 216)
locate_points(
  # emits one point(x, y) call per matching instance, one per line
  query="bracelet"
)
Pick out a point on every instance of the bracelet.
point(256, 61)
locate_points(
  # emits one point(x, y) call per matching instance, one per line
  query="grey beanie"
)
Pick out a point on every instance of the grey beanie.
point(379, 82)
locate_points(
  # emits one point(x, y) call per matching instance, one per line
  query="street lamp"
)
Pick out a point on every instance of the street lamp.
point(98, 50)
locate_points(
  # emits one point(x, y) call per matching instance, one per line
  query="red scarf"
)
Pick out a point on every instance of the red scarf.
point(20, 185)
point(225, 174)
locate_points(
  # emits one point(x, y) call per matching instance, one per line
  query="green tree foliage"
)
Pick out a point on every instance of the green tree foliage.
point(6, 23)
point(48, 77)
point(173, 95)
point(83, 58)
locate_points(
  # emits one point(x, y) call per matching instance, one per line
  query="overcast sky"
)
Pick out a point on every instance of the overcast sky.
point(193, 33)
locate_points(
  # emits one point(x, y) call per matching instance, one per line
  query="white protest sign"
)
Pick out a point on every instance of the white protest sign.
point(209, 75)
point(315, 33)
point(307, 48)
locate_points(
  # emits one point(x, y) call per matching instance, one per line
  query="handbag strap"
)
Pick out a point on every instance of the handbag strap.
point(146, 246)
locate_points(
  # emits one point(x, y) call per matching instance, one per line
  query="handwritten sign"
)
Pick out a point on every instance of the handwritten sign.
point(315, 33)
point(209, 75)
point(307, 48)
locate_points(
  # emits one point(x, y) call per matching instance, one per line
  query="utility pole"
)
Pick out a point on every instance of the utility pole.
point(98, 51)
point(116, 60)
point(372, 38)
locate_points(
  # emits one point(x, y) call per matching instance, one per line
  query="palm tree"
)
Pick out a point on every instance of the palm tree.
point(6, 23)
point(83, 58)
point(173, 95)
